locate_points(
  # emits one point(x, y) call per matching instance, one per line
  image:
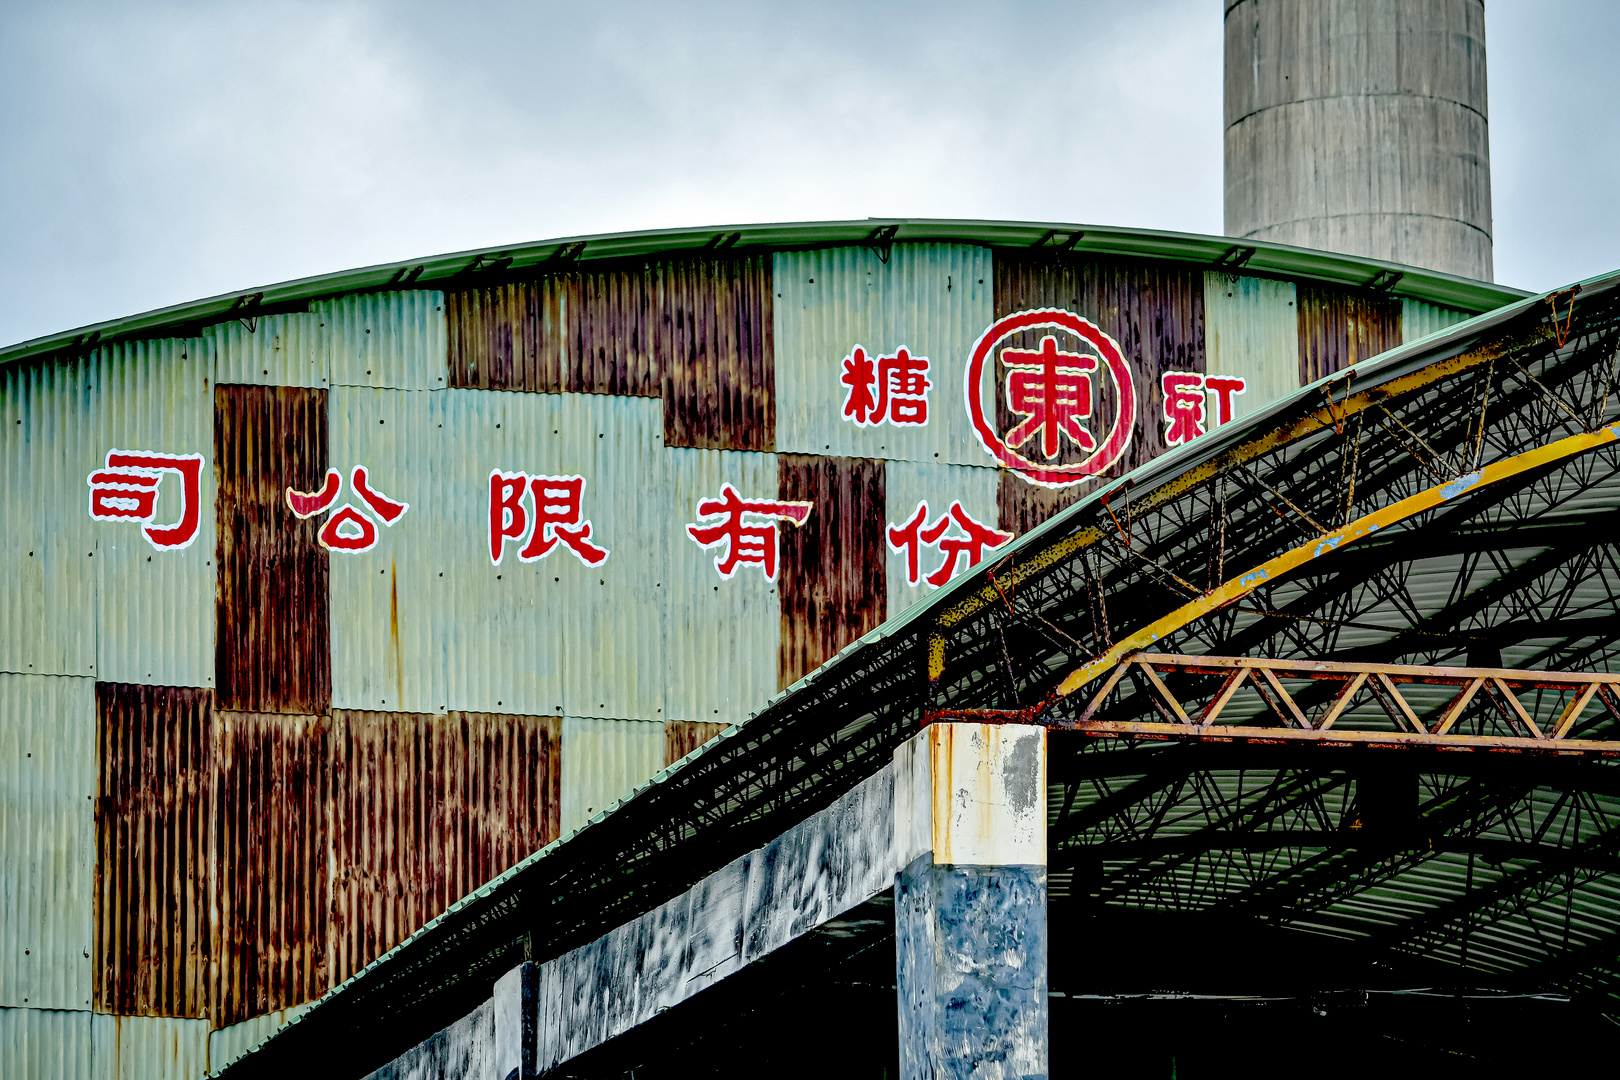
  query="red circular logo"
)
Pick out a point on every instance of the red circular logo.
point(1053, 393)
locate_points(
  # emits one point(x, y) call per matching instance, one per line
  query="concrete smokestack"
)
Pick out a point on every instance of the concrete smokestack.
point(1360, 126)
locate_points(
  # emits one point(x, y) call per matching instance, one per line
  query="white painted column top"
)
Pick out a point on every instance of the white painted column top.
point(972, 795)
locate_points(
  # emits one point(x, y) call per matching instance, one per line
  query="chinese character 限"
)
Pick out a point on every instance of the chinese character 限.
point(558, 503)
point(1184, 402)
point(893, 389)
point(349, 529)
point(746, 542)
point(1052, 390)
point(913, 535)
point(126, 489)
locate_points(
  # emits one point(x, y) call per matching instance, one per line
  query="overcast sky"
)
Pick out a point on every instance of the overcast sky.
point(156, 153)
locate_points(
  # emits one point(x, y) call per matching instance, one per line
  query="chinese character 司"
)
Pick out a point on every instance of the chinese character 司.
point(126, 489)
point(556, 518)
point(911, 537)
point(1052, 391)
point(894, 388)
point(746, 543)
point(349, 530)
point(1184, 394)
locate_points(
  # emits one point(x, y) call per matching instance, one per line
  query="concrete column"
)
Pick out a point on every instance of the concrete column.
point(970, 902)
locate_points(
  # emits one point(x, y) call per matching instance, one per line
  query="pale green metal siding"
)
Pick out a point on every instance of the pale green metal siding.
point(272, 350)
point(1251, 330)
point(47, 840)
point(395, 339)
point(47, 1044)
point(906, 484)
point(934, 299)
point(149, 1048)
point(1419, 319)
point(603, 761)
point(721, 637)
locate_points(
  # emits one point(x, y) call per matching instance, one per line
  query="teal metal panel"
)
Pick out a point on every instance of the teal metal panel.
point(226, 1044)
point(603, 761)
point(1420, 319)
point(46, 1044)
point(721, 637)
point(933, 299)
point(156, 606)
point(392, 339)
point(47, 840)
point(272, 350)
point(1251, 328)
point(47, 608)
point(908, 483)
point(383, 600)
point(149, 1048)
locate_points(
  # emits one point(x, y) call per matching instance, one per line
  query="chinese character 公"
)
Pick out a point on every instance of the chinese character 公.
point(350, 529)
point(556, 517)
point(745, 542)
point(909, 538)
point(1052, 390)
point(894, 388)
point(126, 489)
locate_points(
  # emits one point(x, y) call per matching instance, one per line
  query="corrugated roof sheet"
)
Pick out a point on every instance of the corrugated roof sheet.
point(1251, 328)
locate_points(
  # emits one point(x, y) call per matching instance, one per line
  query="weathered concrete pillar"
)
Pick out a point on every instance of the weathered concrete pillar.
point(970, 902)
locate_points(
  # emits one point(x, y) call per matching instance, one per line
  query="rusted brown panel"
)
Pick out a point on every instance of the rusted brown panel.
point(1338, 328)
point(424, 810)
point(610, 347)
point(681, 737)
point(270, 863)
point(272, 646)
point(831, 577)
point(718, 359)
point(1155, 312)
point(153, 831)
point(508, 337)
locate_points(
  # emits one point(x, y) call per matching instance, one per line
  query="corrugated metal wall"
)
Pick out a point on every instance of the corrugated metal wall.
point(681, 737)
point(47, 840)
point(392, 339)
point(906, 483)
point(1420, 320)
point(715, 342)
point(603, 761)
point(832, 572)
point(933, 299)
point(45, 1044)
point(425, 809)
point(1252, 331)
point(1338, 328)
point(271, 638)
point(154, 850)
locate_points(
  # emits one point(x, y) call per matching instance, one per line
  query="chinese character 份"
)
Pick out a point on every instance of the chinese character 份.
point(909, 539)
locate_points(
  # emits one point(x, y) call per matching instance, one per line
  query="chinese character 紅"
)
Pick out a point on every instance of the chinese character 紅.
point(891, 388)
point(556, 517)
point(126, 489)
point(1184, 402)
point(1052, 391)
point(350, 529)
point(746, 542)
point(911, 537)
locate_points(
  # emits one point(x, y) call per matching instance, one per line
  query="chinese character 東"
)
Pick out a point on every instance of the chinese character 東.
point(1052, 391)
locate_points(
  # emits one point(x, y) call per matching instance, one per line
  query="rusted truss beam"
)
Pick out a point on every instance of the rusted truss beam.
point(1499, 688)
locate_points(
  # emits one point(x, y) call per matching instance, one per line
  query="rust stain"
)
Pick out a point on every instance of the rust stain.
point(1339, 328)
point(393, 630)
point(681, 737)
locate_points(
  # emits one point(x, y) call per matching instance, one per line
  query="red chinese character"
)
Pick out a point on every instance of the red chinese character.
point(507, 518)
point(912, 536)
point(745, 542)
point(363, 536)
point(556, 517)
point(350, 529)
point(1053, 391)
point(1224, 387)
point(1183, 406)
point(900, 383)
point(127, 490)
point(307, 504)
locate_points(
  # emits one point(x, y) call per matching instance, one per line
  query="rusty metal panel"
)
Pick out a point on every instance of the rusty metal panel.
point(48, 605)
point(1020, 505)
point(607, 345)
point(681, 737)
point(508, 337)
point(907, 484)
point(389, 339)
point(149, 1048)
point(47, 840)
point(832, 574)
point(721, 636)
point(715, 348)
point(47, 1044)
point(272, 649)
point(272, 350)
point(426, 809)
point(603, 761)
point(1252, 328)
point(270, 863)
point(156, 604)
point(153, 849)
point(933, 299)
point(384, 654)
point(1338, 328)
point(1419, 319)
